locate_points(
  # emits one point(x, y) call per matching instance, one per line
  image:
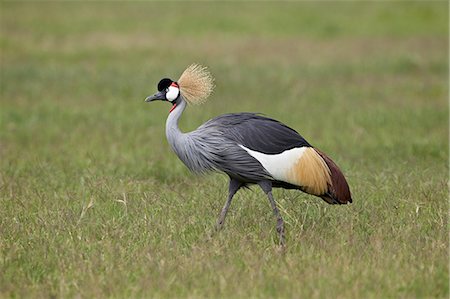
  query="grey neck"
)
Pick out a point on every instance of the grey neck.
point(173, 133)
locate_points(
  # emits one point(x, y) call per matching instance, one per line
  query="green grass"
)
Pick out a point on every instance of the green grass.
point(94, 204)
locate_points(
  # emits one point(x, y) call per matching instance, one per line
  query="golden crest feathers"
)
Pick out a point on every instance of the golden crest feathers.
point(196, 84)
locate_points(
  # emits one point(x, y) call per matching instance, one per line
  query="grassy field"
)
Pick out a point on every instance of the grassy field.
point(94, 204)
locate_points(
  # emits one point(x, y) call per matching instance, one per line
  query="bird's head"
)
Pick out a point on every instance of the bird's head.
point(168, 90)
point(194, 86)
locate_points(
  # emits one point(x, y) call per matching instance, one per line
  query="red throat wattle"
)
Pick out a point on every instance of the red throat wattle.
point(173, 107)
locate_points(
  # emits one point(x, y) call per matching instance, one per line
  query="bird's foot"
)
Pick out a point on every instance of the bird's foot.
point(280, 230)
point(219, 225)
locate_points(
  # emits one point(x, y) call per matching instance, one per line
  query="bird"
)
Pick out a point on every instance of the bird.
point(250, 148)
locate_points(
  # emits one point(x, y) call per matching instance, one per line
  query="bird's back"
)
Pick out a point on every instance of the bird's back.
point(256, 132)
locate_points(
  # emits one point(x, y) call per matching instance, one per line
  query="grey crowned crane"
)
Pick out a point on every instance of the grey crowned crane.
point(248, 147)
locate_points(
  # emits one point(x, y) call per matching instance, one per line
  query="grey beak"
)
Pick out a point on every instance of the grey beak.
point(157, 96)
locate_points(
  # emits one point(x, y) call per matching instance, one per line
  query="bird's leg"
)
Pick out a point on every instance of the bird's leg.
point(232, 189)
point(267, 188)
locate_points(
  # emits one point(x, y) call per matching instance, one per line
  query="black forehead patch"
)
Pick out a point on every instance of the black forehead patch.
point(164, 83)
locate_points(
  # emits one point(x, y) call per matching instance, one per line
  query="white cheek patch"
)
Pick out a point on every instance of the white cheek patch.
point(172, 93)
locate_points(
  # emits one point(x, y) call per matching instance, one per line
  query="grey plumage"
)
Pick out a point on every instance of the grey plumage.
point(257, 132)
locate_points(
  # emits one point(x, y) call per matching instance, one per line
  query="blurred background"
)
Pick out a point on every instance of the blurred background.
point(94, 203)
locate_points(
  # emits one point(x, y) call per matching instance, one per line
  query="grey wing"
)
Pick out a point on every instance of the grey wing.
point(257, 132)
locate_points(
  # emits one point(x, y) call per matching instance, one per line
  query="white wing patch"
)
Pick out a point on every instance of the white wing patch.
point(278, 165)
